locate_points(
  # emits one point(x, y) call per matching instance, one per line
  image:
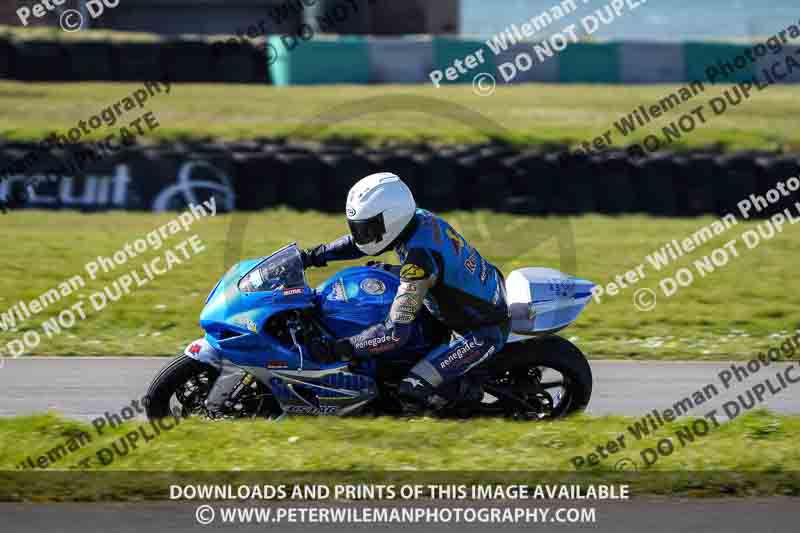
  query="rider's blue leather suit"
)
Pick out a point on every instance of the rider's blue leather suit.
point(441, 271)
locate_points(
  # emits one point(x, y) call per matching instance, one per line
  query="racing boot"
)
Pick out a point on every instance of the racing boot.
point(417, 395)
point(464, 392)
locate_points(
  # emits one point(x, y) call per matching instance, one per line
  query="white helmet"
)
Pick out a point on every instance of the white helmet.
point(379, 207)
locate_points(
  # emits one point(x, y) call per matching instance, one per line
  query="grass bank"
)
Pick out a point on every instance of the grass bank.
point(754, 454)
point(530, 114)
point(744, 307)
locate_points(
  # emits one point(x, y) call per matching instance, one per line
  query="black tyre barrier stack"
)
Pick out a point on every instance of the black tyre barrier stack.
point(575, 182)
point(237, 63)
point(612, 183)
point(182, 174)
point(255, 184)
point(485, 176)
point(780, 168)
point(12, 192)
point(61, 178)
point(342, 169)
point(217, 169)
point(653, 184)
point(264, 173)
point(6, 58)
point(187, 61)
point(301, 179)
point(147, 170)
point(91, 61)
point(40, 61)
point(675, 170)
point(97, 181)
point(736, 177)
point(774, 170)
point(247, 146)
point(138, 61)
point(698, 170)
point(438, 185)
point(533, 184)
point(176, 60)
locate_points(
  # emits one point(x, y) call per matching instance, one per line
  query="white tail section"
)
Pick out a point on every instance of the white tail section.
point(543, 300)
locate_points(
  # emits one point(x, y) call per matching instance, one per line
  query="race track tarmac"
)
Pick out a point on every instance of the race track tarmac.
point(84, 388)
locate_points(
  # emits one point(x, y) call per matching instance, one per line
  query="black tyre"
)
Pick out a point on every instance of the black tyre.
point(521, 383)
point(180, 388)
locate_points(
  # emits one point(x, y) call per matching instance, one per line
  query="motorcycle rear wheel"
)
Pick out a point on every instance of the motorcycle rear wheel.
point(516, 382)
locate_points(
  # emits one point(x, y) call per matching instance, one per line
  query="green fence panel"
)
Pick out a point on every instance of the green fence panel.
point(318, 60)
point(589, 63)
point(447, 50)
point(701, 57)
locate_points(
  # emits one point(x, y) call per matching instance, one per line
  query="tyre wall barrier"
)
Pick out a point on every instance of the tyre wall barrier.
point(176, 60)
point(138, 61)
point(6, 58)
point(234, 63)
point(254, 175)
point(92, 61)
point(186, 61)
point(40, 61)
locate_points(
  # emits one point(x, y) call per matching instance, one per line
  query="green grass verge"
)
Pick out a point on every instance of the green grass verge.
point(742, 308)
point(756, 453)
point(55, 33)
point(530, 114)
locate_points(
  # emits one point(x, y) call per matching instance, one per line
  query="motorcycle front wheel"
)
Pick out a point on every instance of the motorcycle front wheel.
point(181, 389)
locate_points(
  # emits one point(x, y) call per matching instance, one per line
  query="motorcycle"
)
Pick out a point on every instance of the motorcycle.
point(261, 318)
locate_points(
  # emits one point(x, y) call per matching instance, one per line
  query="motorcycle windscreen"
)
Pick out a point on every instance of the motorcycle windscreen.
point(282, 270)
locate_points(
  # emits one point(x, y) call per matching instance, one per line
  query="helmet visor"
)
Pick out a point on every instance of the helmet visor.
point(368, 230)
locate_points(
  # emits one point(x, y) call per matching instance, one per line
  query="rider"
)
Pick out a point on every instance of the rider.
point(440, 270)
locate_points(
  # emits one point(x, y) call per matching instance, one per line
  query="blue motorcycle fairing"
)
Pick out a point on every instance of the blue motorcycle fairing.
point(348, 308)
point(333, 390)
point(252, 291)
point(358, 297)
point(202, 350)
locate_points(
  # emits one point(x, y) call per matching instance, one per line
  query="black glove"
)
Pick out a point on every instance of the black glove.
point(321, 351)
point(343, 350)
point(312, 258)
point(327, 351)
